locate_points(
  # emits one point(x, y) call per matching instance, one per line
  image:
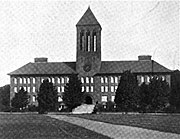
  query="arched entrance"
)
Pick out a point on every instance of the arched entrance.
point(88, 100)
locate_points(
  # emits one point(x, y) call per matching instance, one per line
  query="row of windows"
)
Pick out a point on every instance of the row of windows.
point(113, 79)
point(26, 89)
point(28, 80)
point(105, 98)
point(147, 78)
point(106, 88)
point(87, 88)
point(87, 80)
point(85, 45)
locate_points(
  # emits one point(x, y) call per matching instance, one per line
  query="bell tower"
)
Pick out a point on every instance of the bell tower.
point(88, 51)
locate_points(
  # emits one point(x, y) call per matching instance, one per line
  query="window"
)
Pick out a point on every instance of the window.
point(59, 89)
point(82, 88)
point(106, 79)
point(116, 79)
point(59, 99)
point(59, 80)
point(148, 79)
point(112, 98)
point(112, 80)
point(20, 80)
point(62, 88)
point(87, 88)
point(34, 98)
point(87, 80)
point(116, 88)
point(163, 78)
point(34, 80)
point(25, 89)
point(34, 89)
point(104, 98)
point(112, 88)
point(106, 88)
point(102, 80)
point(142, 79)
point(24, 80)
point(62, 80)
point(88, 41)
point(92, 88)
point(28, 89)
point(67, 79)
point(102, 88)
point(15, 89)
point(82, 40)
point(52, 79)
point(82, 80)
point(42, 80)
point(92, 80)
point(15, 81)
point(94, 41)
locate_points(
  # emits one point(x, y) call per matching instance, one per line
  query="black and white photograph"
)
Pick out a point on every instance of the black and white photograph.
point(89, 69)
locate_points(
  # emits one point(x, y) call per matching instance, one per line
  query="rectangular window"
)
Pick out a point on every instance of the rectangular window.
point(82, 80)
point(102, 80)
point(67, 79)
point(34, 98)
point(87, 80)
point(87, 88)
point(42, 80)
point(62, 79)
point(28, 89)
point(25, 89)
point(59, 81)
point(92, 80)
point(94, 43)
point(59, 89)
point(112, 80)
point(34, 89)
point(82, 88)
point(62, 88)
point(15, 81)
point(24, 80)
point(106, 79)
point(112, 98)
point(163, 78)
point(142, 79)
point(89, 43)
point(106, 88)
point(52, 79)
point(112, 88)
point(116, 79)
point(104, 99)
point(148, 79)
point(116, 87)
point(20, 80)
point(15, 89)
point(102, 88)
point(92, 88)
point(34, 80)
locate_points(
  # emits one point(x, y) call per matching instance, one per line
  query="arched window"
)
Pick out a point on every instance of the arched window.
point(88, 40)
point(94, 41)
point(81, 40)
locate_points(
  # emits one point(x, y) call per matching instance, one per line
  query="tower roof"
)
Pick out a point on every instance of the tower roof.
point(88, 19)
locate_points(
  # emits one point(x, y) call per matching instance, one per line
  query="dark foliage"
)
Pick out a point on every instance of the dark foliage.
point(73, 96)
point(4, 98)
point(47, 97)
point(20, 100)
point(127, 93)
point(175, 90)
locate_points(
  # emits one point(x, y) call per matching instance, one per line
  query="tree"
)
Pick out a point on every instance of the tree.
point(73, 96)
point(4, 97)
point(155, 95)
point(20, 100)
point(47, 97)
point(126, 97)
point(175, 90)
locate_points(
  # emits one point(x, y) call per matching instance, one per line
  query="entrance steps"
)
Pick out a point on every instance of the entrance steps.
point(84, 108)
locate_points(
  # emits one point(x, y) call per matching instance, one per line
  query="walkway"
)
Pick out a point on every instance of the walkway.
point(117, 131)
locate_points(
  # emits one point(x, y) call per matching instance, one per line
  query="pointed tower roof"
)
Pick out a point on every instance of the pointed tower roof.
point(88, 19)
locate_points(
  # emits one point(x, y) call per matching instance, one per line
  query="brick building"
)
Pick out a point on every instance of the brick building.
point(99, 78)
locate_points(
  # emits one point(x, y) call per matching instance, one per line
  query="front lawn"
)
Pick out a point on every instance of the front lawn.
point(165, 123)
point(24, 126)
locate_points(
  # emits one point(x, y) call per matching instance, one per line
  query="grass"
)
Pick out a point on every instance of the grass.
point(24, 126)
point(165, 123)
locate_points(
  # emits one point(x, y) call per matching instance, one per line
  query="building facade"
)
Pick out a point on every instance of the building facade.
point(99, 78)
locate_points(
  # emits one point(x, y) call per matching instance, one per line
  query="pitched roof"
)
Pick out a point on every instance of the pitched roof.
point(47, 68)
point(88, 18)
point(144, 66)
point(107, 67)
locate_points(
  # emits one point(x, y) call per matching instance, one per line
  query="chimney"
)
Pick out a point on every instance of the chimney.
point(144, 57)
point(40, 59)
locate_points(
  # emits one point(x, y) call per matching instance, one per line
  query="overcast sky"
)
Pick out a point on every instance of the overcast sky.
point(32, 29)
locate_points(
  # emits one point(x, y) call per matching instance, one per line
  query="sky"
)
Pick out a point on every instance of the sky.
point(30, 29)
